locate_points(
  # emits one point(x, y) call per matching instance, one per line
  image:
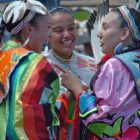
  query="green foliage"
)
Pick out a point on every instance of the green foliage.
point(81, 14)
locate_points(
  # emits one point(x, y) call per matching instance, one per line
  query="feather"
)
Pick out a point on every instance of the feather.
point(137, 7)
point(7, 11)
point(36, 6)
point(16, 10)
point(19, 12)
point(94, 24)
point(38, 10)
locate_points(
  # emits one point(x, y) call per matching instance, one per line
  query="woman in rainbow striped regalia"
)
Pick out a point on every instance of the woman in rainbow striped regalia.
point(28, 84)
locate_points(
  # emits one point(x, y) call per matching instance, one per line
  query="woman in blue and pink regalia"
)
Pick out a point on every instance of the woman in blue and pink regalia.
point(112, 111)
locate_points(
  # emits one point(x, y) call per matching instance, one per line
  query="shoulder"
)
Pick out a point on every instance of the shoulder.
point(84, 57)
point(114, 66)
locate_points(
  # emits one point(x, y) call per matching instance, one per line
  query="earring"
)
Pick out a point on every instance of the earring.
point(119, 48)
point(26, 42)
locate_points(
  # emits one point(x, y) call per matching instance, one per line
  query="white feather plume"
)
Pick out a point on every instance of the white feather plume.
point(102, 10)
point(15, 9)
point(36, 6)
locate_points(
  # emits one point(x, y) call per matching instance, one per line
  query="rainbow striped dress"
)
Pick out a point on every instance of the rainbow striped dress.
point(28, 90)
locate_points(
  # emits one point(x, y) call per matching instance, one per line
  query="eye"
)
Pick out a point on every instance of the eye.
point(57, 30)
point(72, 28)
point(105, 26)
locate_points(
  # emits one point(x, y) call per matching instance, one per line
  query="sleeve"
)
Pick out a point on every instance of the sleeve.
point(62, 113)
point(28, 118)
point(62, 106)
point(112, 86)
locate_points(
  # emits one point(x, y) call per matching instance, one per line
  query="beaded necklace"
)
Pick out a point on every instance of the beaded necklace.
point(60, 59)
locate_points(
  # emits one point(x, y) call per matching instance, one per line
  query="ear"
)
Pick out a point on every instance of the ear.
point(28, 30)
point(125, 34)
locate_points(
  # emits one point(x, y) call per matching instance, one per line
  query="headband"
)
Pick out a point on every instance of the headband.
point(60, 9)
point(130, 22)
point(23, 23)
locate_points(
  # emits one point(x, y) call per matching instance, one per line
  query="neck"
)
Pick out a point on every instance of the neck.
point(60, 59)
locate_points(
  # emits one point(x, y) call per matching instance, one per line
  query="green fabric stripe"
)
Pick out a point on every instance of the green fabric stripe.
point(3, 119)
point(18, 77)
point(52, 100)
point(85, 114)
point(8, 45)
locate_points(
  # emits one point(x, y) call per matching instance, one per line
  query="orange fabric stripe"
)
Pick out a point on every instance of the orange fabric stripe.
point(66, 107)
point(11, 56)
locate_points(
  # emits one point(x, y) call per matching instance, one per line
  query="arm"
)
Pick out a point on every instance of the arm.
point(28, 82)
point(110, 87)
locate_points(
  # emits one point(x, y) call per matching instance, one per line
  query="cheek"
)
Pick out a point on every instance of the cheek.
point(111, 37)
point(75, 34)
point(52, 39)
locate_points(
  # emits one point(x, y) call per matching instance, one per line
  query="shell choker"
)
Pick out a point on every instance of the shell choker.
point(60, 59)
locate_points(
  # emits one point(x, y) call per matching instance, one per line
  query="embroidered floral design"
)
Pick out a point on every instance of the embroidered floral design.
point(84, 64)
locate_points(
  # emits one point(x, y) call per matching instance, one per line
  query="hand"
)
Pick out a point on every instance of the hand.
point(69, 95)
point(71, 82)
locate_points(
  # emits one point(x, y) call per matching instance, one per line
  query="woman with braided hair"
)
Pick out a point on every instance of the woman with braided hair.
point(62, 55)
point(112, 111)
point(29, 85)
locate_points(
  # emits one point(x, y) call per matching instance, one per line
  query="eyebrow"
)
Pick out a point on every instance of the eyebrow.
point(59, 26)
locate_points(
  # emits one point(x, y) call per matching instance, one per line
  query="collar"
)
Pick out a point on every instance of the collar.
point(60, 59)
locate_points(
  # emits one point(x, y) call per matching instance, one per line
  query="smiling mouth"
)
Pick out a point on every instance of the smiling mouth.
point(67, 43)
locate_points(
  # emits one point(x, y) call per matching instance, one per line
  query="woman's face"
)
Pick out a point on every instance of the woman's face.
point(39, 34)
point(64, 34)
point(110, 34)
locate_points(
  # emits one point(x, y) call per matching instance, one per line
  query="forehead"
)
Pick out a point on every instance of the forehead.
point(61, 18)
point(45, 19)
point(112, 18)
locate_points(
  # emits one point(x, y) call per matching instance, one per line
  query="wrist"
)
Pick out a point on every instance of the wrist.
point(77, 91)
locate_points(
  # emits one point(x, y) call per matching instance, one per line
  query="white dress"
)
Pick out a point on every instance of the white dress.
point(81, 65)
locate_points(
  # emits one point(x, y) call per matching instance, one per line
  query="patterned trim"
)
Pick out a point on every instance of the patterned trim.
point(130, 22)
point(132, 62)
point(13, 56)
point(87, 104)
point(62, 60)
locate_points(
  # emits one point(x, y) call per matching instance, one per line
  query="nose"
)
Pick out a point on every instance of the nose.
point(99, 35)
point(66, 33)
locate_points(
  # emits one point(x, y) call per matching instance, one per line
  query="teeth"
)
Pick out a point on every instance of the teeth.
point(67, 42)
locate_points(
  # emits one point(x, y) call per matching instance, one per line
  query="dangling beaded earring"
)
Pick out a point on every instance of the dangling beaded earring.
point(26, 42)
